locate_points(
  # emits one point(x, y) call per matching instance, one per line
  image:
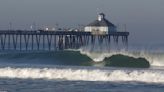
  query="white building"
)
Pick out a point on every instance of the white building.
point(100, 26)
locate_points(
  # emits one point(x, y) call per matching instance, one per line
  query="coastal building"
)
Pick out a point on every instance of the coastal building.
point(100, 26)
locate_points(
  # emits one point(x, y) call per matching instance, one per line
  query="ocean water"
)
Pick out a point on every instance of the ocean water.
point(82, 71)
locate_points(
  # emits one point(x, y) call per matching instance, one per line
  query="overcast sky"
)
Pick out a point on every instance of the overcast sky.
point(144, 18)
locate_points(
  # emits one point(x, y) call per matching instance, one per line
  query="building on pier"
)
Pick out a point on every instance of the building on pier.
point(98, 33)
point(100, 26)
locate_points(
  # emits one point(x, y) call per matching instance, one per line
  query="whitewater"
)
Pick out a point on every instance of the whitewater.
point(82, 74)
point(85, 74)
point(155, 58)
point(81, 70)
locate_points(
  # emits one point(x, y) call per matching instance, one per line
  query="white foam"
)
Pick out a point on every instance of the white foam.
point(155, 76)
point(155, 59)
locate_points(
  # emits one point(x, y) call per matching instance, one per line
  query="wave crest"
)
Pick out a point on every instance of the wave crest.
point(154, 58)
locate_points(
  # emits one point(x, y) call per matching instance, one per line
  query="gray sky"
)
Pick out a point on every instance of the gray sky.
point(144, 18)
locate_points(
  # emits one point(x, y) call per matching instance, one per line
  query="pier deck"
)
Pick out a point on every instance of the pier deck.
point(54, 40)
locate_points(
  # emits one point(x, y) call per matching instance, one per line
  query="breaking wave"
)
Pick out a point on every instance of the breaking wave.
point(152, 76)
point(85, 58)
point(76, 58)
point(154, 58)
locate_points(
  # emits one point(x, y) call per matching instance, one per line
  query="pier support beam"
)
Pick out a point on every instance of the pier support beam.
point(15, 40)
point(58, 40)
point(20, 41)
point(3, 41)
point(49, 39)
point(38, 41)
point(26, 39)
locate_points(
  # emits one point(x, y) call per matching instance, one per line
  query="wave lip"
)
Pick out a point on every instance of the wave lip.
point(126, 61)
point(150, 76)
point(154, 58)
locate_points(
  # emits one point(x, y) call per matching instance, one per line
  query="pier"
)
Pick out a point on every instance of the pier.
point(24, 40)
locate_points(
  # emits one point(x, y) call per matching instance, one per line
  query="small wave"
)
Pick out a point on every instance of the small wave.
point(155, 76)
point(126, 61)
point(53, 58)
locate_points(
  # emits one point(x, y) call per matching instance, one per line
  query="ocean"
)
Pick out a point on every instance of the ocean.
point(137, 70)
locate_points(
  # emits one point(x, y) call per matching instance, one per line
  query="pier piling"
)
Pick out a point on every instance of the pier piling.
point(56, 40)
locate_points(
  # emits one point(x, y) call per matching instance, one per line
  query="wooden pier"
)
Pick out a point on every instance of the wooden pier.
point(54, 40)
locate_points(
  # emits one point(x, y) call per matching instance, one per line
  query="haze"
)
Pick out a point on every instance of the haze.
point(144, 18)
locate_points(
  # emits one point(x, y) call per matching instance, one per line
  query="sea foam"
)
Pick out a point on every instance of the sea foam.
point(155, 76)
